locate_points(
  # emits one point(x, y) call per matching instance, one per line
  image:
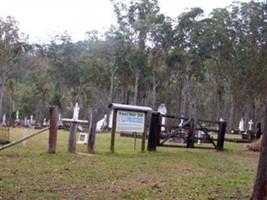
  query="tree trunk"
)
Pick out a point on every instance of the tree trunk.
point(178, 104)
point(2, 88)
point(112, 85)
point(216, 105)
point(232, 112)
point(260, 185)
point(186, 98)
point(251, 109)
point(154, 94)
point(125, 93)
point(136, 86)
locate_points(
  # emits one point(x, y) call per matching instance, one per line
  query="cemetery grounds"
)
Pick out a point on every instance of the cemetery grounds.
point(27, 171)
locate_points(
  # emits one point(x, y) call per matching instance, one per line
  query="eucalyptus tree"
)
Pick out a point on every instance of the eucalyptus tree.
point(11, 46)
point(39, 80)
point(236, 36)
point(247, 20)
point(134, 22)
point(161, 41)
point(188, 50)
point(67, 71)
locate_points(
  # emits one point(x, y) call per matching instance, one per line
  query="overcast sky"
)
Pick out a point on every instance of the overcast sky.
point(41, 18)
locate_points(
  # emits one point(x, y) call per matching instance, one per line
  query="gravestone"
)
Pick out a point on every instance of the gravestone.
point(83, 138)
point(44, 122)
point(59, 122)
point(17, 116)
point(31, 120)
point(163, 111)
point(4, 120)
point(241, 125)
point(76, 110)
point(250, 123)
point(25, 121)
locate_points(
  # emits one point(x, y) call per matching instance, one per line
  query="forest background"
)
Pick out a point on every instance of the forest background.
point(209, 67)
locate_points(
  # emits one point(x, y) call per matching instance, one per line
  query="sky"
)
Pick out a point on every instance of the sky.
point(41, 19)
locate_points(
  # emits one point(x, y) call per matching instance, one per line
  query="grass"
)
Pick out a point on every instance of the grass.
point(169, 173)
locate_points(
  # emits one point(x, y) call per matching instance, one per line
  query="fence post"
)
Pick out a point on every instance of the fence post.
point(113, 131)
point(53, 129)
point(154, 132)
point(72, 137)
point(221, 134)
point(191, 135)
point(92, 131)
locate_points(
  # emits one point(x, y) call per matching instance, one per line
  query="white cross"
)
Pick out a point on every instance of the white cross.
point(250, 123)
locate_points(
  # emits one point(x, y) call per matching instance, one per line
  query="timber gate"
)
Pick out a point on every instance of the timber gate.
point(190, 133)
point(4, 135)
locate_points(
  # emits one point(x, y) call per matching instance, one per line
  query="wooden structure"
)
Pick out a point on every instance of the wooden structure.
point(4, 135)
point(52, 140)
point(92, 131)
point(129, 118)
point(187, 133)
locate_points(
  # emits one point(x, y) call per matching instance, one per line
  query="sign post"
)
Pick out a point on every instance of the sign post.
point(128, 118)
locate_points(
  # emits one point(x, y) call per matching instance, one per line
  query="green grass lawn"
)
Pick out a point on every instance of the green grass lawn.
point(29, 172)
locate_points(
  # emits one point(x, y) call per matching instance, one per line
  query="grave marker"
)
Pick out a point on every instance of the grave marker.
point(250, 123)
point(163, 111)
point(241, 125)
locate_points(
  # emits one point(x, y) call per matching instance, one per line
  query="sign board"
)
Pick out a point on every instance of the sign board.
point(83, 138)
point(130, 121)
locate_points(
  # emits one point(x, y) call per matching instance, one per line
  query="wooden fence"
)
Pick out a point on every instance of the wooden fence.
point(186, 134)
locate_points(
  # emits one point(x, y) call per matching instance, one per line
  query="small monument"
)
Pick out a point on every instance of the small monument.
point(162, 110)
point(44, 122)
point(31, 119)
point(17, 116)
point(25, 121)
point(59, 123)
point(250, 123)
point(241, 125)
point(4, 120)
point(76, 110)
point(83, 138)
point(181, 122)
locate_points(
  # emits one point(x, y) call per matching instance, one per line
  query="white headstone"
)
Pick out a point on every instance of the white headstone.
point(25, 121)
point(110, 119)
point(4, 119)
point(17, 116)
point(59, 117)
point(241, 125)
point(250, 123)
point(162, 110)
point(76, 110)
point(105, 120)
point(31, 119)
point(44, 122)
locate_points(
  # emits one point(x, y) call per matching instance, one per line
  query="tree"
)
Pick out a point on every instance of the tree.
point(11, 45)
point(187, 32)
